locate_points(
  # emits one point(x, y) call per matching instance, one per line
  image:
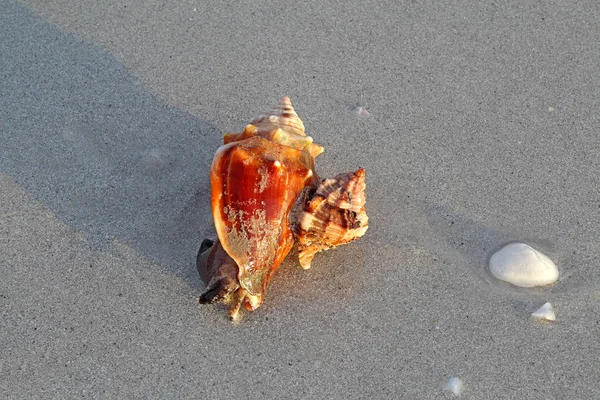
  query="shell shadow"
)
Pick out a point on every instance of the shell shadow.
point(89, 142)
point(470, 243)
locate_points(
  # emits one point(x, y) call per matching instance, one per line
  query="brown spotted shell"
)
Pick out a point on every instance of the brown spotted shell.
point(333, 215)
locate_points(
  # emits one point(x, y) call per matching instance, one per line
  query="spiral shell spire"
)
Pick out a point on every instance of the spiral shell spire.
point(282, 125)
point(283, 116)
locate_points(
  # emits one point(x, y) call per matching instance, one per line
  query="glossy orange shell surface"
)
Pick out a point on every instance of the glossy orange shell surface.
point(254, 183)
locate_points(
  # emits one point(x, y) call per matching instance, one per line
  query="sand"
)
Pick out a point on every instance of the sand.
point(482, 129)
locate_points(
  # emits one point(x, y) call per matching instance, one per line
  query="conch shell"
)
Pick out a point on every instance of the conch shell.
point(264, 193)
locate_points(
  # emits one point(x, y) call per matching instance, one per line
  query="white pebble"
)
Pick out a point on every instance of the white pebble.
point(454, 385)
point(522, 265)
point(545, 312)
point(154, 159)
point(362, 112)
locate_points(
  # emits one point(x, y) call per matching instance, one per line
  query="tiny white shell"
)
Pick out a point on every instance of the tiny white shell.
point(361, 112)
point(545, 312)
point(454, 385)
point(522, 265)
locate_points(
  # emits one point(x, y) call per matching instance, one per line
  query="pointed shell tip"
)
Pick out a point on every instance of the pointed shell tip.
point(545, 312)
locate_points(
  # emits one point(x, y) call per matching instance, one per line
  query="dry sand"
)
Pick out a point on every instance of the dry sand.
point(483, 129)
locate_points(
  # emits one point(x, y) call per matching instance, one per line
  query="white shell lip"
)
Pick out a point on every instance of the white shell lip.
point(522, 265)
point(545, 312)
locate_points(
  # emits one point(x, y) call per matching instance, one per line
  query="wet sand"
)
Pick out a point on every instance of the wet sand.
point(482, 130)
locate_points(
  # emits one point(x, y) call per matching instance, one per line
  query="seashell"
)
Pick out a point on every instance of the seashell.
point(361, 112)
point(255, 180)
point(522, 265)
point(263, 184)
point(333, 215)
point(454, 385)
point(545, 312)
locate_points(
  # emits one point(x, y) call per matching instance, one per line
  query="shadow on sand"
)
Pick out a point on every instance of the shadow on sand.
point(82, 136)
point(473, 243)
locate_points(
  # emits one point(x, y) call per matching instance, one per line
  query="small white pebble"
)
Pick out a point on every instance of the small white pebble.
point(454, 385)
point(153, 159)
point(550, 109)
point(545, 312)
point(362, 112)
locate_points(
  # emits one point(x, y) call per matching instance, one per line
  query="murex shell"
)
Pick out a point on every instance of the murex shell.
point(334, 215)
point(265, 193)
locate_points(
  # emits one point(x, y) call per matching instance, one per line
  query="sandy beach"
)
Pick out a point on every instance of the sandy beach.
point(482, 130)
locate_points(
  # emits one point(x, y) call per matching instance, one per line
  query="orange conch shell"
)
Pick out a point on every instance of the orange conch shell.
point(255, 179)
point(265, 193)
point(334, 215)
